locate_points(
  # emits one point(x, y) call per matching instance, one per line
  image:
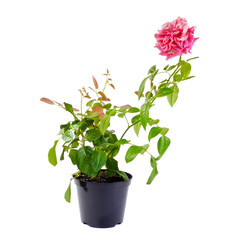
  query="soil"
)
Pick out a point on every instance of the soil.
point(100, 178)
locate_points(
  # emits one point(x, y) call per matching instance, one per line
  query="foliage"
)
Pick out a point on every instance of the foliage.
point(87, 139)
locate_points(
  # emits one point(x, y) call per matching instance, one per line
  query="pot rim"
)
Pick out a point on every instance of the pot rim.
point(79, 183)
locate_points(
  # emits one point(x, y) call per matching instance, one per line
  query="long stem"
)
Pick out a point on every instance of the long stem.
point(176, 70)
point(129, 128)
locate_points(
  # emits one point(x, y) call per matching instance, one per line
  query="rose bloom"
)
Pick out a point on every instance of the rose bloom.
point(175, 38)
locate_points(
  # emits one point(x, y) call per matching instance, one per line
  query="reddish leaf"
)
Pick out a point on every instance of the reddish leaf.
point(104, 98)
point(99, 111)
point(95, 82)
point(127, 106)
point(75, 109)
point(112, 85)
point(59, 104)
point(107, 74)
point(87, 95)
point(92, 89)
point(46, 100)
point(137, 94)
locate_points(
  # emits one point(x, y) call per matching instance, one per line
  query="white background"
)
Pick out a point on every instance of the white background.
point(52, 48)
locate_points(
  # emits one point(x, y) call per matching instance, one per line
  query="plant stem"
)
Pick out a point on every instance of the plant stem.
point(129, 128)
point(176, 70)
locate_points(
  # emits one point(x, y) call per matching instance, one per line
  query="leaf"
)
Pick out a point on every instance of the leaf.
point(122, 109)
point(172, 98)
point(124, 175)
point(164, 131)
point(137, 128)
point(177, 78)
point(98, 110)
point(46, 100)
point(73, 156)
point(133, 110)
point(67, 195)
point(133, 151)
point(69, 108)
point(112, 85)
point(171, 67)
point(152, 121)
point(136, 92)
point(105, 121)
point(112, 164)
point(67, 136)
point(98, 159)
point(95, 82)
point(107, 106)
point(141, 88)
point(84, 162)
point(163, 144)
point(152, 69)
point(163, 92)
point(152, 175)
point(165, 68)
point(93, 135)
point(52, 158)
point(122, 142)
point(185, 69)
point(154, 132)
point(144, 114)
point(127, 106)
point(104, 98)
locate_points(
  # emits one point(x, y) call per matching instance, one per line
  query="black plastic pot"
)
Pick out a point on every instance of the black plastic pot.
point(102, 205)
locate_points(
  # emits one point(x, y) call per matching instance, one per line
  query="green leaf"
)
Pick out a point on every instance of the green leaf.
point(133, 110)
point(73, 156)
point(154, 132)
point(165, 68)
point(52, 158)
point(67, 136)
point(107, 106)
point(141, 88)
point(152, 121)
point(98, 159)
point(84, 162)
point(121, 115)
point(112, 164)
point(163, 92)
point(122, 110)
point(172, 98)
point(164, 131)
point(177, 78)
point(133, 151)
point(122, 142)
point(152, 69)
point(171, 67)
point(124, 175)
point(152, 175)
point(67, 195)
point(69, 108)
point(93, 135)
point(105, 121)
point(185, 69)
point(90, 103)
point(144, 114)
point(137, 128)
point(163, 144)
point(144, 148)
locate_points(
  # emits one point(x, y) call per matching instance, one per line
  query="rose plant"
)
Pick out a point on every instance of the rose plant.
point(87, 139)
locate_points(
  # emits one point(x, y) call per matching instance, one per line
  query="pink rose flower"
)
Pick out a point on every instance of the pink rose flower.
point(175, 38)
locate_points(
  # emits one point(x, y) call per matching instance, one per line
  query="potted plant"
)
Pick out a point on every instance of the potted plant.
point(93, 147)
